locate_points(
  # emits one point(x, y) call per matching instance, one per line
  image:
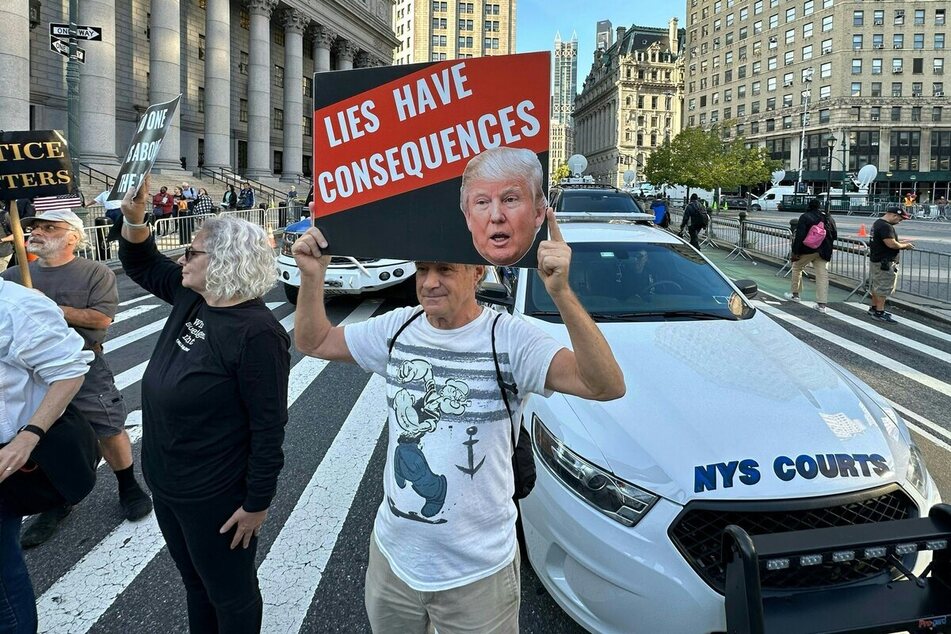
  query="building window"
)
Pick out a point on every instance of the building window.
point(278, 76)
point(243, 110)
point(201, 46)
point(916, 113)
point(308, 126)
point(919, 17)
point(771, 84)
point(878, 41)
point(896, 89)
point(278, 119)
point(877, 66)
point(899, 17)
point(863, 148)
point(896, 113)
point(937, 89)
point(876, 113)
point(936, 113)
point(790, 36)
point(938, 67)
point(827, 24)
point(277, 37)
point(938, 40)
point(201, 99)
point(308, 86)
point(940, 149)
point(807, 52)
point(855, 112)
point(824, 115)
point(243, 62)
point(878, 17)
point(905, 149)
point(278, 166)
point(898, 41)
point(790, 14)
point(825, 70)
point(856, 66)
point(244, 19)
point(858, 18)
point(856, 90)
point(825, 92)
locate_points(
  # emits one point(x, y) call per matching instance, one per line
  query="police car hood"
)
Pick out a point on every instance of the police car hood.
point(731, 410)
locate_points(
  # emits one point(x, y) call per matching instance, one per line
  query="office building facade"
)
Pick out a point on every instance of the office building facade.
point(868, 74)
point(434, 30)
point(563, 92)
point(631, 100)
point(244, 70)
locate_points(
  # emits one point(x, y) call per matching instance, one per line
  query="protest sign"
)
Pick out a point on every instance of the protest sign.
point(144, 148)
point(34, 163)
point(391, 145)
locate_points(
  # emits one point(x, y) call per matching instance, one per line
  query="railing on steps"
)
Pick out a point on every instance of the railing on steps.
point(229, 177)
point(95, 175)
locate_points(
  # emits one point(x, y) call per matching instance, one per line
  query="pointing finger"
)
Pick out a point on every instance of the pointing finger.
point(554, 231)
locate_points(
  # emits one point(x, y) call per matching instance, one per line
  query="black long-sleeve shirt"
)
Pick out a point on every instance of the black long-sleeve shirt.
point(214, 395)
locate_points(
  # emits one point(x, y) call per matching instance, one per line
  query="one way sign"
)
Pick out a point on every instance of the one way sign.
point(93, 33)
point(62, 47)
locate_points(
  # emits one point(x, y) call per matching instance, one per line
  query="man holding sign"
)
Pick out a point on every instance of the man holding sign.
point(443, 552)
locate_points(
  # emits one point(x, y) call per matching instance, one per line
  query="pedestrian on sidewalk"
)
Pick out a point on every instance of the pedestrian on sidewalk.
point(813, 244)
point(85, 290)
point(42, 364)
point(884, 250)
point(695, 220)
point(214, 406)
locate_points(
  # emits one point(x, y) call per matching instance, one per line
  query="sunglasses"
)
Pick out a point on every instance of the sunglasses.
point(190, 253)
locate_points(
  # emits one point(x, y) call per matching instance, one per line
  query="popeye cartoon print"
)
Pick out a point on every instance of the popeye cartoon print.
point(417, 417)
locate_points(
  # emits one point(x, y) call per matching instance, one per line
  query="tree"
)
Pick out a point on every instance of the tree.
point(562, 171)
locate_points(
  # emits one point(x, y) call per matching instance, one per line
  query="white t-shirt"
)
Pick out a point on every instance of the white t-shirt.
point(107, 204)
point(447, 517)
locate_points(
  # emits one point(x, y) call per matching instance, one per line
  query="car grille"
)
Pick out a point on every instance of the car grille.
point(287, 242)
point(698, 534)
point(339, 259)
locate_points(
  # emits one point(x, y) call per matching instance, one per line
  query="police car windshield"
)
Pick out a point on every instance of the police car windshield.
point(628, 281)
point(595, 201)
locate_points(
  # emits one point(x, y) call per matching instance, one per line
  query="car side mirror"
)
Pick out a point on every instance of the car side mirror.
point(747, 287)
point(495, 293)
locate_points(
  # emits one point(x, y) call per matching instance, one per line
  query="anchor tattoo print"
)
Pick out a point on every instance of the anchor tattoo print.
point(417, 417)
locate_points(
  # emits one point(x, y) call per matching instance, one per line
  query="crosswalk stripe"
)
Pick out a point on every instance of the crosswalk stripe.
point(133, 312)
point(80, 597)
point(906, 413)
point(288, 322)
point(295, 563)
point(136, 299)
point(860, 350)
point(891, 336)
point(112, 345)
point(922, 328)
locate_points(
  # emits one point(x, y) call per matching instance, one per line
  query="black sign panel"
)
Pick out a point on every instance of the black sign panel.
point(34, 163)
point(144, 147)
point(92, 33)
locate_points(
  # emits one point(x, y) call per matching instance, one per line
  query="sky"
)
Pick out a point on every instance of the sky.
point(538, 21)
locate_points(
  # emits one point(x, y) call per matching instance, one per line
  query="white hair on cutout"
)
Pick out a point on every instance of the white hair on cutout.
point(502, 163)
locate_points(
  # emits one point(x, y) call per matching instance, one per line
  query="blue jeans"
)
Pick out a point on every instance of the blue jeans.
point(17, 601)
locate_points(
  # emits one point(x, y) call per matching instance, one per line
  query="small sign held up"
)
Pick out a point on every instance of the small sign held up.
point(144, 148)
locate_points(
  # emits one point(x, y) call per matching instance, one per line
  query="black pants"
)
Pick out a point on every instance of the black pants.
point(694, 240)
point(221, 584)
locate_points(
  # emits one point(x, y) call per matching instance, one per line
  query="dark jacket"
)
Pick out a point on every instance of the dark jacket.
point(807, 221)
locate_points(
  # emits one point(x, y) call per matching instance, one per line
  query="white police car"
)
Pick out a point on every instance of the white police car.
point(728, 419)
point(345, 275)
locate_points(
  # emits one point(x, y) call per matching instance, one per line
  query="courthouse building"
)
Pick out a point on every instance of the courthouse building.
point(631, 101)
point(870, 74)
point(244, 69)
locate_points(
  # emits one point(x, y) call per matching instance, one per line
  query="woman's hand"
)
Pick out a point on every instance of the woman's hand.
point(133, 207)
point(16, 453)
point(247, 525)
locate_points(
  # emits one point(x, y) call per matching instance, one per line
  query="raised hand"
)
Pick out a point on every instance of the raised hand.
point(554, 258)
point(308, 254)
point(134, 204)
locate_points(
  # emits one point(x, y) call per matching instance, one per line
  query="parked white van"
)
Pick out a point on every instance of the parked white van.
point(771, 198)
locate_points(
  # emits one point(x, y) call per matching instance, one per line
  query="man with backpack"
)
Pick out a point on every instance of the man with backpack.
point(815, 235)
point(443, 552)
point(695, 220)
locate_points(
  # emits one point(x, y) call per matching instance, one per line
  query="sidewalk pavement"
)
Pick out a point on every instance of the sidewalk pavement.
point(766, 278)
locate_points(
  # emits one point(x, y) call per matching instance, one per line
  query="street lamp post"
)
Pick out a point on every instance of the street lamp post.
point(830, 143)
point(806, 94)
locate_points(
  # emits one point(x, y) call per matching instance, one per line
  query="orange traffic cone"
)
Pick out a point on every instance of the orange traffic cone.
point(863, 232)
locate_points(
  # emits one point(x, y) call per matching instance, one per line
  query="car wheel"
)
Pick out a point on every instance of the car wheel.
point(291, 293)
point(755, 208)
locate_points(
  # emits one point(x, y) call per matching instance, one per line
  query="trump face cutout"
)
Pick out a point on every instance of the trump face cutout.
point(503, 203)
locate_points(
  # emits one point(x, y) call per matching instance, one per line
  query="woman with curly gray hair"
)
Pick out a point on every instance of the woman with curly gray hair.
point(214, 406)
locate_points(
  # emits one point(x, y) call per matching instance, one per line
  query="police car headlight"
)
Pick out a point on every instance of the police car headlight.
point(621, 501)
point(917, 473)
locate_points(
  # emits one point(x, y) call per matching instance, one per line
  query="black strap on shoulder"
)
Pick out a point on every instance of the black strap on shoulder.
point(503, 386)
point(401, 329)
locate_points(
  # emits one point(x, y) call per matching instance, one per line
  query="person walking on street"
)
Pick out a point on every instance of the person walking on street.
point(214, 407)
point(85, 290)
point(884, 251)
point(439, 365)
point(695, 219)
point(815, 235)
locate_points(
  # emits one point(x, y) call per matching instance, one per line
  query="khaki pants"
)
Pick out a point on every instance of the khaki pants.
point(819, 266)
point(486, 606)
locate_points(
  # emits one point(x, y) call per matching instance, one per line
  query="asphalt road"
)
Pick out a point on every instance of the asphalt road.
point(102, 574)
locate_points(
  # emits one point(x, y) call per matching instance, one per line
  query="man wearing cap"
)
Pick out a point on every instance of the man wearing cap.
point(85, 290)
point(884, 249)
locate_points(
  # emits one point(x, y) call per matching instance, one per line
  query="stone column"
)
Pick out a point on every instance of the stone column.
point(294, 25)
point(217, 83)
point(15, 65)
point(345, 53)
point(323, 39)
point(97, 86)
point(259, 89)
point(165, 74)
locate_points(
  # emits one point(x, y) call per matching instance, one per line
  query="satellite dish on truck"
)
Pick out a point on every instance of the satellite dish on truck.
point(867, 174)
point(629, 177)
point(577, 164)
point(777, 177)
